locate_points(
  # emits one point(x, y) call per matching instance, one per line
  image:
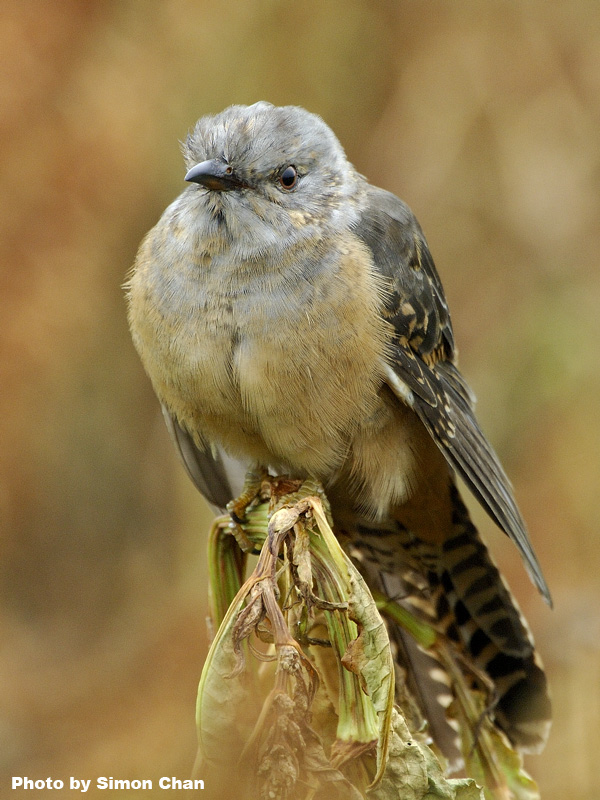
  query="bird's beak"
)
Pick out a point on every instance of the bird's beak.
point(215, 175)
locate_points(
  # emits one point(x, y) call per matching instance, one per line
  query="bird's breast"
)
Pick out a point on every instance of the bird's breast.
point(284, 369)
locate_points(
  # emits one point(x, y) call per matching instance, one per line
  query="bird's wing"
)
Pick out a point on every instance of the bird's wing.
point(422, 367)
point(210, 471)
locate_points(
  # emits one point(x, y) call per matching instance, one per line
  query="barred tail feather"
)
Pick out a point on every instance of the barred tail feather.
point(462, 592)
point(475, 598)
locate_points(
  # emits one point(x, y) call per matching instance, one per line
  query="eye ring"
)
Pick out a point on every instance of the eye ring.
point(288, 178)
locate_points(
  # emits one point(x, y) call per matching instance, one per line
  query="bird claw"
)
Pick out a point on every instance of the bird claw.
point(251, 491)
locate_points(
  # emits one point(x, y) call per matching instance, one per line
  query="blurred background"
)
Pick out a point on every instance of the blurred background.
point(485, 118)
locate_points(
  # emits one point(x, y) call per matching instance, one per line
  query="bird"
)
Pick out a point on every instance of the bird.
point(290, 316)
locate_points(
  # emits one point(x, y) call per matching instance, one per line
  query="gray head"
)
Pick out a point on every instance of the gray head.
point(266, 175)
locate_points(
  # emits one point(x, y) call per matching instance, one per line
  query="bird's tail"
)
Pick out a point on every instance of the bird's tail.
point(459, 590)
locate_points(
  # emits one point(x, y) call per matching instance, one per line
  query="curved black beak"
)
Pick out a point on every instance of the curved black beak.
point(215, 175)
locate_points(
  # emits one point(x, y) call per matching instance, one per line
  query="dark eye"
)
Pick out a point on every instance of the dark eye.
point(288, 178)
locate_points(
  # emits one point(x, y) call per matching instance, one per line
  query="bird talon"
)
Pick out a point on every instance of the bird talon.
point(251, 492)
point(234, 515)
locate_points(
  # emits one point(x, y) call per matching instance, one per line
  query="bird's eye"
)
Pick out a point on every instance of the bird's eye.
point(288, 178)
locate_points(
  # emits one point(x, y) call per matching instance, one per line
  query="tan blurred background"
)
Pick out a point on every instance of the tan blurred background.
point(485, 118)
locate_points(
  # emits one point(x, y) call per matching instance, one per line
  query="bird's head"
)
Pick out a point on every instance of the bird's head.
point(266, 175)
